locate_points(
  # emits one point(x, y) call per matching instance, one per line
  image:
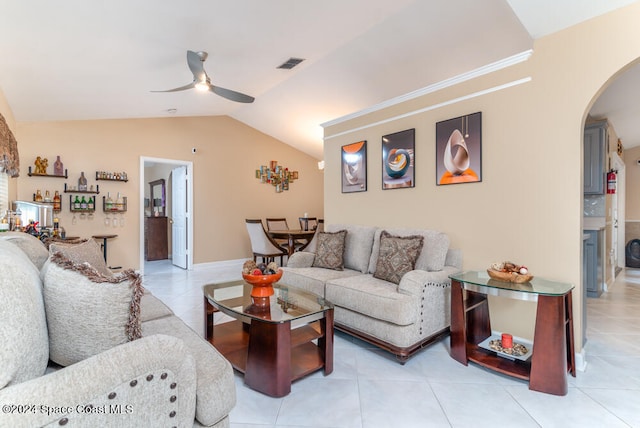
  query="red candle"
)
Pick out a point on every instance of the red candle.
point(507, 340)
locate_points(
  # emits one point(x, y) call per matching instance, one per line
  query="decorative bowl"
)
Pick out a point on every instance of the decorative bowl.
point(509, 276)
point(262, 284)
point(261, 280)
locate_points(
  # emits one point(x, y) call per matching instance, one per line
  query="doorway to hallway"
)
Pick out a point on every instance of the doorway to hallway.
point(166, 204)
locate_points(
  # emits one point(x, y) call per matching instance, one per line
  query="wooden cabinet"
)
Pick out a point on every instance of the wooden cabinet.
point(156, 243)
point(595, 137)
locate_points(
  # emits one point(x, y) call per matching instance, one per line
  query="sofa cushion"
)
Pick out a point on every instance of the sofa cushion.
point(358, 245)
point(330, 251)
point(85, 252)
point(24, 349)
point(215, 390)
point(397, 256)
point(151, 307)
point(313, 279)
point(31, 246)
point(88, 312)
point(374, 297)
point(433, 254)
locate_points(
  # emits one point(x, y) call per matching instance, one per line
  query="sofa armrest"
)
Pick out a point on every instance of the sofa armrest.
point(301, 259)
point(414, 281)
point(433, 293)
point(147, 382)
point(454, 258)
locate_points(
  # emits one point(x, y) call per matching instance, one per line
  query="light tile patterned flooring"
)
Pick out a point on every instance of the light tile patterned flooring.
point(368, 389)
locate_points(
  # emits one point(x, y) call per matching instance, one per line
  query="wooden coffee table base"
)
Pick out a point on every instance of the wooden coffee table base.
point(272, 355)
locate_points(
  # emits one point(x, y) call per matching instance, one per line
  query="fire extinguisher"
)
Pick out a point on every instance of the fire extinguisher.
point(611, 182)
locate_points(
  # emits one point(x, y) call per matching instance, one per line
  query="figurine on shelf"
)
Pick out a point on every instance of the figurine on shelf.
point(82, 182)
point(41, 165)
point(58, 167)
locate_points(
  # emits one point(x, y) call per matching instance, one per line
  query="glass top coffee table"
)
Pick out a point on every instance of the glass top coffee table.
point(272, 344)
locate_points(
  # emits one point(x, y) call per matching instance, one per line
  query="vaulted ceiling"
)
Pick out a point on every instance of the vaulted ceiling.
point(77, 60)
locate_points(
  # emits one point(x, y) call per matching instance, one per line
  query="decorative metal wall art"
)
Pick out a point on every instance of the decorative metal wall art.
point(276, 175)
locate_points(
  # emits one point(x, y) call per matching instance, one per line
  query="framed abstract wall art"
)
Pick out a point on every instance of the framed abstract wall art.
point(398, 152)
point(354, 167)
point(459, 150)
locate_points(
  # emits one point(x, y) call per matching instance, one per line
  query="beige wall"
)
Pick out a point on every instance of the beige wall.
point(528, 207)
point(225, 188)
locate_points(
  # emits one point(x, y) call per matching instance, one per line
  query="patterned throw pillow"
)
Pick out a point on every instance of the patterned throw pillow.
point(85, 252)
point(397, 256)
point(88, 312)
point(330, 250)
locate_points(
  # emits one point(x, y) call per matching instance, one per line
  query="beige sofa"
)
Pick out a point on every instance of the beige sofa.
point(169, 377)
point(400, 318)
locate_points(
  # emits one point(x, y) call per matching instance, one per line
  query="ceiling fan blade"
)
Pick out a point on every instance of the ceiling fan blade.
point(231, 95)
point(181, 88)
point(196, 65)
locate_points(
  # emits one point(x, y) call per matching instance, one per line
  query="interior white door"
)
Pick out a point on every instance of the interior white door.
point(179, 216)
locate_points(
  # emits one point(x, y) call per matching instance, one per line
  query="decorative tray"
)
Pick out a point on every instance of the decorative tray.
point(523, 348)
point(509, 276)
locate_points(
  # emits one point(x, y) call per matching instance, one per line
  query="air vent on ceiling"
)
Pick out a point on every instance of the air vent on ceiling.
point(290, 63)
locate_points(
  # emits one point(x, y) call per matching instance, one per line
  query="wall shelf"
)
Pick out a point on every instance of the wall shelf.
point(33, 174)
point(90, 192)
point(81, 210)
point(114, 208)
point(107, 176)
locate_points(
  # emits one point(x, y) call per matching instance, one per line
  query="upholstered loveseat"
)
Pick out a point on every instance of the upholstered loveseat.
point(401, 309)
point(57, 370)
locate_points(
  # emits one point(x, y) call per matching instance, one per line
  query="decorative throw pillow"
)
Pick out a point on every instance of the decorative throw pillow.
point(88, 312)
point(330, 250)
point(398, 255)
point(85, 252)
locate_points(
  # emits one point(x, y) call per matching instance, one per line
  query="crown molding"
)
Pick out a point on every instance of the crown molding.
point(489, 68)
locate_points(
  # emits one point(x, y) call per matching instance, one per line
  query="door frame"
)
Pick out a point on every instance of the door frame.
point(176, 162)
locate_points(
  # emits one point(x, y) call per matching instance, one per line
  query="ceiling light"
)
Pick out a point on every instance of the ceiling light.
point(202, 86)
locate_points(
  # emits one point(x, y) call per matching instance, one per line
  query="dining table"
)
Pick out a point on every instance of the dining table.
point(292, 235)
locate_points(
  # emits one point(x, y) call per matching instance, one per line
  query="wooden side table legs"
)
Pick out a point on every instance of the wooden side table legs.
point(550, 357)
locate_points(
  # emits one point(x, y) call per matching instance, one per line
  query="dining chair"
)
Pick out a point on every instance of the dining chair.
point(279, 224)
point(308, 223)
point(262, 244)
point(311, 245)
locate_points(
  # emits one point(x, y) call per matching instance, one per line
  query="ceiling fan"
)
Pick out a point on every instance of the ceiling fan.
point(202, 82)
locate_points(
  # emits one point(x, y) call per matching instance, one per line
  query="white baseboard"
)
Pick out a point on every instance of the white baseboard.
point(221, 263)
point(581, 360)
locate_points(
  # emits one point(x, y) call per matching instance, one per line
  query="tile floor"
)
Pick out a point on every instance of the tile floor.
point(368, 389)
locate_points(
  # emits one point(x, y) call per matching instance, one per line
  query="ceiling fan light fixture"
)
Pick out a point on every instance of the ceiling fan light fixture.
point(202, 86)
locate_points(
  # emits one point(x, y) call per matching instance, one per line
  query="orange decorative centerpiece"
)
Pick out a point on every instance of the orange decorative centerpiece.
point(261, 277)
point(262, 284)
